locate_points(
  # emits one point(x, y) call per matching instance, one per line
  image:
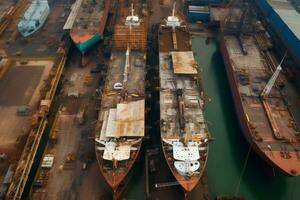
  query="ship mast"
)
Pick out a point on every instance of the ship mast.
point(174, 29)
point(131, 20)
point(127, 66)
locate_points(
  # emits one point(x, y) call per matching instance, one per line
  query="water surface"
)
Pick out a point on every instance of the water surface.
point(228, 152)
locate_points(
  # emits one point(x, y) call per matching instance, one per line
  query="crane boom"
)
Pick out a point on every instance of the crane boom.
point(266, 91)
point(127, 66)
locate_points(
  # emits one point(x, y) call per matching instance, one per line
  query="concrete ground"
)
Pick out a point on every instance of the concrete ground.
point(5, 6)
point(45, 41)
point(68, 183)
point(75, 182)
point(21, 85)
point(67, 143)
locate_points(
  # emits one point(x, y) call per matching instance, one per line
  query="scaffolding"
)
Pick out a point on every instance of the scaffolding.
point(135, 37)
point(132, 33)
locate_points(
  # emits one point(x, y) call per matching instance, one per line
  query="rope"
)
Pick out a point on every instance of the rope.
point(243, 171)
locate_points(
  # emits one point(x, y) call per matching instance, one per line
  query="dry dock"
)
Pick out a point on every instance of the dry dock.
point(69, 169)
point(26, 91)
point(31, 70)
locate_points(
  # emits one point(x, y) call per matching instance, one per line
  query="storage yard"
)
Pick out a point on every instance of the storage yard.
point(60, 84)
point(70, 149)
point(29, 78)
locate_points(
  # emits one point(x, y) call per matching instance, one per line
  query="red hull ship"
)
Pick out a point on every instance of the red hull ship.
point(87, 22)
point(121, 122)
point(257, 89)
point(184, 132)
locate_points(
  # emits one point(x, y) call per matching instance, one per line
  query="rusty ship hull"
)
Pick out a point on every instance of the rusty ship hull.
point(118, 179)
point(183, 128)
point(121, 121)
point(116, 174)
point(90, 22)
point(265, 145)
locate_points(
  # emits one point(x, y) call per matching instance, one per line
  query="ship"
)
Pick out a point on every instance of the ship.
point(184, 132)
point(88, 19)
point(121, 122)
point(257, 85)
point(34, 17)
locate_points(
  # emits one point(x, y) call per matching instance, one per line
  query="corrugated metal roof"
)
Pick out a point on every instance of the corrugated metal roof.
point(199, 8)
point(71, 19)
point(127, 120)
point(288, 14)
point(184, 62)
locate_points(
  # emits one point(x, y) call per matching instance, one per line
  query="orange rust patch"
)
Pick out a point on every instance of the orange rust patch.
point(80, 38)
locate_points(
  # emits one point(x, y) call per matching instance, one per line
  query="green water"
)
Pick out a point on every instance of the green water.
point(228, 152)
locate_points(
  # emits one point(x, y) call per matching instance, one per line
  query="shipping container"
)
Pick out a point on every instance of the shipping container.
point(198, 13)
point(204, 2)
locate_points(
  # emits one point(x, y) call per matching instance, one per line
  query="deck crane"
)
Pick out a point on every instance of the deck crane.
point(266, 91)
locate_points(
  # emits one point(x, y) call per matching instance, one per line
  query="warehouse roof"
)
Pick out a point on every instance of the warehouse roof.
point(288, 14)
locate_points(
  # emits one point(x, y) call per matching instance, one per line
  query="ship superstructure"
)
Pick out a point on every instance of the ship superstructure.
point(121, 122)
point(184, 133)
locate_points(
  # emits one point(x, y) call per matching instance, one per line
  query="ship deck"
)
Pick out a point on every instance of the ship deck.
point(119, 130)
point(89, 16)
point(273, 127)
point(136, 78)
point(170, 82)
point(193, 113)
point(178, 74)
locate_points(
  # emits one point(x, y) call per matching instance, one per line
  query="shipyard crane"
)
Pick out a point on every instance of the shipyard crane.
point(266, 91)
